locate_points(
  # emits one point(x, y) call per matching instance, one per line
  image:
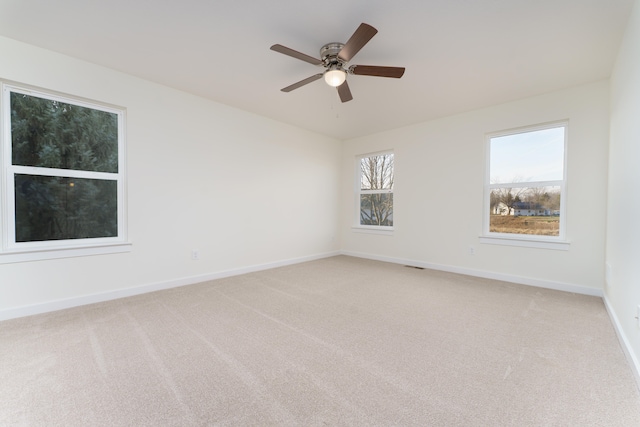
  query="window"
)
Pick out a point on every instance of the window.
point(375, 191)
point(63, 169)
point(526, 183)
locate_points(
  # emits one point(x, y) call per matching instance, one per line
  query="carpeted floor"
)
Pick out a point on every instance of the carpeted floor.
point(340, 342)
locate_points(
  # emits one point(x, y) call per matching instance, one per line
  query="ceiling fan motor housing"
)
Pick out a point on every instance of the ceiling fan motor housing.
point(329, 54)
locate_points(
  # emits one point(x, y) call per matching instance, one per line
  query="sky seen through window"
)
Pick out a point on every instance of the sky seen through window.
point(528, 157)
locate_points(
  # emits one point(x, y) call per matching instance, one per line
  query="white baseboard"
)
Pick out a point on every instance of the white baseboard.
point(624, 342)
point(559, 286)
point(62, 304)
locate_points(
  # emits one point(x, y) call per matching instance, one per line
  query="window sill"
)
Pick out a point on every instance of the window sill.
point(385, 231)
point(559, 245)
point(50, 253)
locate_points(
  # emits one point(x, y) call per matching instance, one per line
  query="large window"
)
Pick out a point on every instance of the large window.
point(63, 169)
point(526, 183)
point(375, 190)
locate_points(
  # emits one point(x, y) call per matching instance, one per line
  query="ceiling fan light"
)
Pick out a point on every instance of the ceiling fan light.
point(335, 77)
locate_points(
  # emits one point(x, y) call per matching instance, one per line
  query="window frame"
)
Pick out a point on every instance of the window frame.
point(12, 251)
point(558, 242)
point(358, 191)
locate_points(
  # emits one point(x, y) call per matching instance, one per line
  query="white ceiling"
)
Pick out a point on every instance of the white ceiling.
point(459, 54)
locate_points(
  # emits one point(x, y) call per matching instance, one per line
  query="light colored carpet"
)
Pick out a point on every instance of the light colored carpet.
point(339, 341)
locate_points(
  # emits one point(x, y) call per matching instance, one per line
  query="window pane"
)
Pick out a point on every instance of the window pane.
point(53, 134)
point(376, 172)
point(55, 208)
point(532, 210)
point(376, 209)
point(529, 156)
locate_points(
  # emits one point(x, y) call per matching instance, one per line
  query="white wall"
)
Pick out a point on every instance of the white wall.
point(623, 221)
point(438, 198)
point(243, 190)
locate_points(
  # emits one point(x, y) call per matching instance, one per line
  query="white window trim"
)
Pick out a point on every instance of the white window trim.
point(373, 229)
point(509, 240)
point(559, 242)
point(12, 251)
point(370, 229)
point(39, 254)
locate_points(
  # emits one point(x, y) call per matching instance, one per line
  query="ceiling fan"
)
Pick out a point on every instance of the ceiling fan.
point(334, 58)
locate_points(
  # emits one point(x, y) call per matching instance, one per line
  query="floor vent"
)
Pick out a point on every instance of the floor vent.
point(413, 266)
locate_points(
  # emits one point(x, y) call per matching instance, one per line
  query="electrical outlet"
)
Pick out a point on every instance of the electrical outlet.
point(195, 254)
point(472, 250)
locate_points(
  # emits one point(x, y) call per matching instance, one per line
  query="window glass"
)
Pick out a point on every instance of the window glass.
point(57, 208)
point(53, 134)
point(526, 210)
point(376, 209)
point(528, 156)
point(377, 172)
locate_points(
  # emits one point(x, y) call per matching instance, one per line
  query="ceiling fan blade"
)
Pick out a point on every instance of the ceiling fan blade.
point(302, 83)
point(363, 34)
point(374, 70)
point(344, 92)
point(295, 54)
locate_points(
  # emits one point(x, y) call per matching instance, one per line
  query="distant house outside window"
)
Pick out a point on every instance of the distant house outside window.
point(375, 190)
point(525, 184)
